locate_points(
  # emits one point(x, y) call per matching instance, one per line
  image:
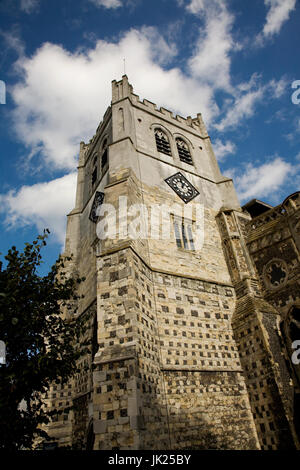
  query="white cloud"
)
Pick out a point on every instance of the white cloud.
point(114, 4)
point(278, 13)
point(107, 3)
point(12, 40)
point(247, 96)
point(212, 60)
point(263, 180)
point(62, 96)
point(28, 6)
point(243, 107)
point(278, 87)
point(44, 205)
point(222, 149)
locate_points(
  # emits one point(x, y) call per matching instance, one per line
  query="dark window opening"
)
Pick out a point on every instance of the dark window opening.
point(184, 151)
point(104, 159)
point(162, 142)
point(94, 176)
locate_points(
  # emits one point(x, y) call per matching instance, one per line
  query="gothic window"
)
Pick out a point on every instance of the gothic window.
point(94, 169)
point(183, 233)
point(184, 151)
point(104, 157)
point(162, 142)
point(94, 175)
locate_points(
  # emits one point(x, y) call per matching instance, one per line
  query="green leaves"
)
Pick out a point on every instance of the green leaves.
point(42, 344)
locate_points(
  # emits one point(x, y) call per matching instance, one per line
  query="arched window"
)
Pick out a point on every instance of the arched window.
point(95, 168)
point(104, 157)
point(184, 151)
point(162, 142)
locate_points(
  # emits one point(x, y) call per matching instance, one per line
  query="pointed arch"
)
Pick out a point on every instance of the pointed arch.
point(162, 141)
point(184, 152)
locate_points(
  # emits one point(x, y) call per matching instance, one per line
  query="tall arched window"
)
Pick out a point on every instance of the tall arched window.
point(184, 151)
point(162, 142)
point(104, 156)
point(95, 169)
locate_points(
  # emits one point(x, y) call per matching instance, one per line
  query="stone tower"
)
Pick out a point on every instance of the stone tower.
point(179, 332)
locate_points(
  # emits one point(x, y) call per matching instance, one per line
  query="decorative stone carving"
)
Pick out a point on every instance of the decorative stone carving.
point(275, 273)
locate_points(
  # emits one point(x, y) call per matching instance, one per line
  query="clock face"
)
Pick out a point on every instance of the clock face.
point(98, 199)
point(182, 187)
point(185, 190)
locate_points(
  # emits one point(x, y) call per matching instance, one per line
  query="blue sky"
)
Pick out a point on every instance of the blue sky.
point(232, 60)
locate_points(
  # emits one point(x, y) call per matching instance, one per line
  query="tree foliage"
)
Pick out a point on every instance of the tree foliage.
point(42, 343)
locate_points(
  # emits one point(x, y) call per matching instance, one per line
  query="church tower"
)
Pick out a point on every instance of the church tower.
point(177, 313)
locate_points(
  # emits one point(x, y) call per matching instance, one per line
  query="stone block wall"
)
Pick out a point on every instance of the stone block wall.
point(167, 361)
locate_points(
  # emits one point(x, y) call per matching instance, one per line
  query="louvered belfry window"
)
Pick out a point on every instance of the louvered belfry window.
point(104, 157)
point(184, 151)
point(162, 142)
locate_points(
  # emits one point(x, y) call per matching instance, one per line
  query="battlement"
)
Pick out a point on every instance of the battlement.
point(123, 89)
point(265, 220)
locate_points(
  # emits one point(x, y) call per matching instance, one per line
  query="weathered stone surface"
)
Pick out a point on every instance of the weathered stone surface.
point(189, 350)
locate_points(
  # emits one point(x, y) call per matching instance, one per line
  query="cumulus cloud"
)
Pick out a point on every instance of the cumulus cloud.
point(261, 181)
point(107, 3)
point(62, 96)
point(45, 205)
point(28, 6)
point(223, 149)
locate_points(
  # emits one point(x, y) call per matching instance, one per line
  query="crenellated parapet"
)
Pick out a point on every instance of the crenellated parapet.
point(122, 89)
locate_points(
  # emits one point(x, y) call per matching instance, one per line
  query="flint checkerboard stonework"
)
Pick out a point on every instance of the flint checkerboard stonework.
point(187, 350)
